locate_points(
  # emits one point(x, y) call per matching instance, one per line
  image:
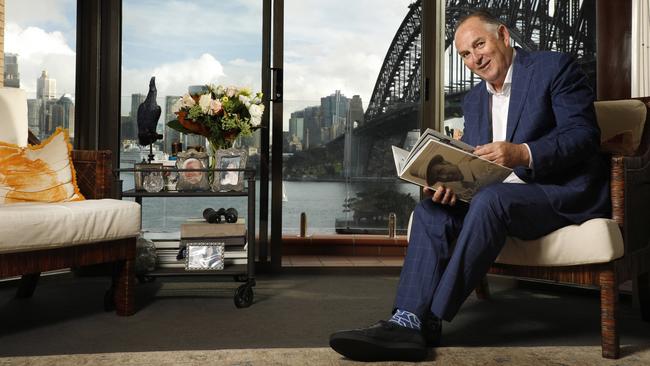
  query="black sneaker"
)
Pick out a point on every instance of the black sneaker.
point(384, 341)
point(431, 330)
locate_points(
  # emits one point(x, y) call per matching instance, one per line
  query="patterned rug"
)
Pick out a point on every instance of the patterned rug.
point(457, 356)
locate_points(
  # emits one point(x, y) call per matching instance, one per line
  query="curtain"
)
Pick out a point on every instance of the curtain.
point(640, 48)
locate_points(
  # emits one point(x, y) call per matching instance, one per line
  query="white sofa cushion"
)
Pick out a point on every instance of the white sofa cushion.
point(30, 226)
point(13, 109)
point(594, 241)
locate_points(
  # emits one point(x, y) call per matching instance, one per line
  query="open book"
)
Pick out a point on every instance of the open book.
point(438, 159)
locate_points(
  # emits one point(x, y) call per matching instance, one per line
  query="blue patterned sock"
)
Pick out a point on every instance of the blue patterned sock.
point(406, 319)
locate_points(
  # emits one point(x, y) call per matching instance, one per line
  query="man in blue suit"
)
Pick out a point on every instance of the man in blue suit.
point(532, 112)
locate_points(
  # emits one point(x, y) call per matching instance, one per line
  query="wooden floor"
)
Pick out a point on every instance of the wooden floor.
point(340, 261)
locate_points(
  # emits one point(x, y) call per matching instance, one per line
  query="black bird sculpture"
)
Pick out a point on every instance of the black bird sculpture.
point(148, 115)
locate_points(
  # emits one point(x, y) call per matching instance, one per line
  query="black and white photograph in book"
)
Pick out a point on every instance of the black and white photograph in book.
point(225, 179)
point(434, 162)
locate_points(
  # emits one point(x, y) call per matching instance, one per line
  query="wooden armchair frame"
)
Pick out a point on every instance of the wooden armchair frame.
point(630, 179)
point(94, 177)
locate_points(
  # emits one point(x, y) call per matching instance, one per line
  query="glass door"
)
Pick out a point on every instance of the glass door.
point(351, 78)
point(184, 45)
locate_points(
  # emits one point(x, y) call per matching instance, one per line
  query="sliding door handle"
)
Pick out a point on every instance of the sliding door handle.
point(277, 85)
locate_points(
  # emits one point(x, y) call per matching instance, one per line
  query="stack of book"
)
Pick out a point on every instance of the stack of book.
point(232, 235)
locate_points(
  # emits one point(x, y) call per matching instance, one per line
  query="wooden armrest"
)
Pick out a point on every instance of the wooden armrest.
point(617, 189)
point(94, 172)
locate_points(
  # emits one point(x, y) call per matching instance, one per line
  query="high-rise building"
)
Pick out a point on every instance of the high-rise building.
point(46, 117)
point(297, 125)
point(127, 129)
point(318, 125)
point(170, 134)
point(356, 110)
point(45, 87)
point(63, 114)
point(130, 126)
point(312, 120)
point(33, 116)
point(136, 100)
point(334, 111)
point(12, 76)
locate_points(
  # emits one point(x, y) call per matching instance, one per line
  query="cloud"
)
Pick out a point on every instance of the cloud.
point(40, 12)
point(174, 78)
point(39, 50)
point(171, 30)
point(337, 45)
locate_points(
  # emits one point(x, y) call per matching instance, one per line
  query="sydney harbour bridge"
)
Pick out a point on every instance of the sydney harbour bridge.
point(559, 25)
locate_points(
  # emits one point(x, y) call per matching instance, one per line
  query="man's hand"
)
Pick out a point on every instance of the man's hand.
point(442, 195)
point(504, 153)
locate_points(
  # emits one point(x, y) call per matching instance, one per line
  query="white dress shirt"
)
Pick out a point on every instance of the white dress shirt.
point(499, 102)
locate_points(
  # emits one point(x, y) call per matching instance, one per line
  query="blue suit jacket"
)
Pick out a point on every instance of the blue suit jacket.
point(551, 109)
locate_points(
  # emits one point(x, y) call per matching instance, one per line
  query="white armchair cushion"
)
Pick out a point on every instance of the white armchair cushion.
point(594, 241)
point(13, 109)
point(30, 226)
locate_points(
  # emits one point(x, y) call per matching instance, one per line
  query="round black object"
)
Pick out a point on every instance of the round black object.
point(230, 215)
point(212, 216)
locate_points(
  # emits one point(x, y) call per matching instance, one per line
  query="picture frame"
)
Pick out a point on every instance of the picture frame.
point(228, 180)
point(146, 172)
point(192, 181)
point(204, 256)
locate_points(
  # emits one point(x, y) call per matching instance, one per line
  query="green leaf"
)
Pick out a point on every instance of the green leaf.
point(176, 125)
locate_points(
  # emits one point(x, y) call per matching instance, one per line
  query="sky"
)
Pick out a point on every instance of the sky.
point(329, 45)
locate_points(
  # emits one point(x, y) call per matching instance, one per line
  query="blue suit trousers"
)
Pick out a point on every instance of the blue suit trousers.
point(452, 248)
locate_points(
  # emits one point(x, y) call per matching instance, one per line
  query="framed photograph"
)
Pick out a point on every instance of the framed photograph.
point(204, 256)
point(148, 177)
point(192, 181)
point(228, 180)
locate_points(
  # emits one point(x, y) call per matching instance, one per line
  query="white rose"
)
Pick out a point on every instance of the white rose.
point(245, 100)
point(231, 91)
point(256, 111)
point(204, 102)
point(187, 101)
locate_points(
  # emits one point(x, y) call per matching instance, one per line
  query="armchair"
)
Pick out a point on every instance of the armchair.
point(39, 237)
point(618, 248)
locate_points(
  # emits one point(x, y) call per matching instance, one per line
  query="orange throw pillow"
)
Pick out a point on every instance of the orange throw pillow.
point(41, 173)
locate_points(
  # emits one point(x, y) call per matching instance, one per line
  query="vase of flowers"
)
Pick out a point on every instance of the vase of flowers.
point(221, 114)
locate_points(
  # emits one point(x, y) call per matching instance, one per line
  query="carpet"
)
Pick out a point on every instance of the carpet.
point(194, 322)
point(456, 356)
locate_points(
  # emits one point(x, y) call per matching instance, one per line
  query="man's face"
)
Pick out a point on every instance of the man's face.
point(489, 56)
point(446, 172)
point(192, 177)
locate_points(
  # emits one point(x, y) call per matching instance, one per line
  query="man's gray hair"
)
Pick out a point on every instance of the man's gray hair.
point(484, 15)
